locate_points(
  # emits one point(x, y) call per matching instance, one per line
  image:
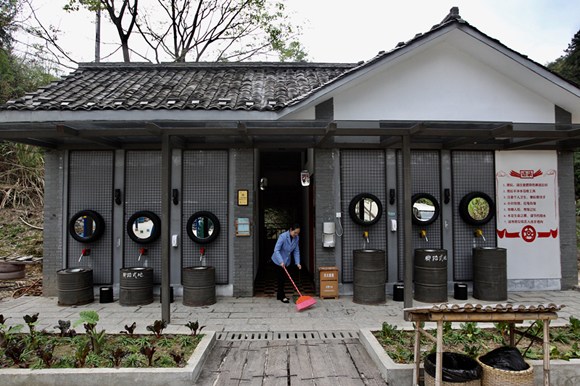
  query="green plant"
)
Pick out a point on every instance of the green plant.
point(45, 353)
point(157, 327)
point(81, 355)
point(16, 350)
point(194, 327)
point(64, 328)
point(166, 343)
point(31, 321)
point(117, 356)
point(178, 358)
point(148, 351)
point(133, 360)
point(130, 329)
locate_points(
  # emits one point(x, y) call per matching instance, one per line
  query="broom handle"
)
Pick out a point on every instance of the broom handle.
point(290, 277)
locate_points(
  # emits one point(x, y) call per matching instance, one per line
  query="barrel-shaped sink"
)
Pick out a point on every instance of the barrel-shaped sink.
point(369, 276)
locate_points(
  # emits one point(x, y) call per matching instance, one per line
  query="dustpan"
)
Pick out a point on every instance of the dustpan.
point(303, 301)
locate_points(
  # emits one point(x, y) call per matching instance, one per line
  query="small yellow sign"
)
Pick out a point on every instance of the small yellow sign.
point(242, 197)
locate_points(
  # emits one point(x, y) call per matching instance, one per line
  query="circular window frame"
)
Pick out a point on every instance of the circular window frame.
point(99, 226)
point(464, 208)
point(156, 227)
point(352, 209)
point(214, 220)
point(436, 213)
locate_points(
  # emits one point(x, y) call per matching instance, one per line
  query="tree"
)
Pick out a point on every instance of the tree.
point(568, 65)
point(118, 16)
point(220, 30)
point(213, 30)
point(8, 11)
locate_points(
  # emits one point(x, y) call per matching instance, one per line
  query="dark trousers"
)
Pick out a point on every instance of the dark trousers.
point(281, 278)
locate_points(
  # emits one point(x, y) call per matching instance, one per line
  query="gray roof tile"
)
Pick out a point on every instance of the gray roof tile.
point(221, 86)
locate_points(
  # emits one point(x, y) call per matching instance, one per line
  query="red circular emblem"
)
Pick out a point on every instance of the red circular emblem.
point(529, 233)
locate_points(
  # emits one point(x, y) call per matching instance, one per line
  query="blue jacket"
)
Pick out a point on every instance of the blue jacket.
point(284, 247)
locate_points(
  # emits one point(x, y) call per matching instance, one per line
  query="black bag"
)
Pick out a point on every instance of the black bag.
point(505, 358)
point(456, 367)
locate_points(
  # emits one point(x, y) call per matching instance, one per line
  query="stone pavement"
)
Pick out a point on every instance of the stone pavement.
point(257, 314)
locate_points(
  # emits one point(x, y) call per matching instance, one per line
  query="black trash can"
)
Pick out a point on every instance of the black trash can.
point(369, 276)
point(106, 295)
point(75, 286)
point(460, 291)
point(198, 286)
point(136, 287)
point(457, 369)
point(490, 273)
point(399, 292)
point(430, 275)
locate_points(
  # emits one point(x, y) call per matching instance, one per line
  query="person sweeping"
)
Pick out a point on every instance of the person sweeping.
point(287, 244)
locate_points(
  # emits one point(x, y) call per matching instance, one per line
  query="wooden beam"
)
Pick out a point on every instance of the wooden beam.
point(330, 132)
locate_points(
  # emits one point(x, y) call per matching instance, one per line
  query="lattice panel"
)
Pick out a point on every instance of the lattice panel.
point(90, 187)
point(205, 188)
point(426, 178)
point(362, 171)
point(142, 192)
point(471, 171)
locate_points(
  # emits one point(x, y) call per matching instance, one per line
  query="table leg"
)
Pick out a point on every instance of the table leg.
point(417, 353)
point(547, 352)
point(439, 366)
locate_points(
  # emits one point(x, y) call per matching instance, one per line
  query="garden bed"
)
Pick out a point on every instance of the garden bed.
point(93, 348)
point(473, 340)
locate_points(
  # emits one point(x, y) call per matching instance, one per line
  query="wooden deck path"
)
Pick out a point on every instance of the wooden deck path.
point(290, 362)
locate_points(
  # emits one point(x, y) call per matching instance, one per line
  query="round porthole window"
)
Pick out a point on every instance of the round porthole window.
point(144, 227)
point(476, 208)
point(425, 209)
point(86, 226)
point(365, 209)
point(203, 227)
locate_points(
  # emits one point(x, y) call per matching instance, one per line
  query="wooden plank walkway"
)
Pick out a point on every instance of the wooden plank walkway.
point(321, 362)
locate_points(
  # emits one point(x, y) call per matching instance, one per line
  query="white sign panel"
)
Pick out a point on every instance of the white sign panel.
point(527, 213)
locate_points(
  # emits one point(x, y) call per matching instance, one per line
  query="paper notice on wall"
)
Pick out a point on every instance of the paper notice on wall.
point(527, 213)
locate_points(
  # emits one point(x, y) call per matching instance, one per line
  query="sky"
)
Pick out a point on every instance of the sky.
point(347, 31)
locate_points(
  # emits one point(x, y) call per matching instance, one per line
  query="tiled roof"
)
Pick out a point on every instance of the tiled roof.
point(181, 86)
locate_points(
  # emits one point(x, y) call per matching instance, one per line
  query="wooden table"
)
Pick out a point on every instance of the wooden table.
point(467, 312)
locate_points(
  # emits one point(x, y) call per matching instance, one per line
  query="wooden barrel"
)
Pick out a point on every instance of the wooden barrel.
point(136, 287)
point(430, 275)
point(489, 273)
point(75, 286)
point(198, 286)
point(369, 276)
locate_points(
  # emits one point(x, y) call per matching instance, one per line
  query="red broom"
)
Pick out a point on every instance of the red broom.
point(303, 302)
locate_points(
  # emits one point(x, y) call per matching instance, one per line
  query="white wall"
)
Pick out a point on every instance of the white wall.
point(441, 83)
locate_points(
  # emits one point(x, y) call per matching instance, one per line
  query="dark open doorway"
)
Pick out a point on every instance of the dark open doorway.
point(283, 201)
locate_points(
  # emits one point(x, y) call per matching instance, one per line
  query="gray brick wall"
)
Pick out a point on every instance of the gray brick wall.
point(242, 161)
point(53, 225)
point(569, 263)
point(325, 206)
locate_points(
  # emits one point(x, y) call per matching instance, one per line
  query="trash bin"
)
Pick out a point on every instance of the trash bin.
point(505, 366)
point(457, 369)
point(136, 287)
point(489, 273)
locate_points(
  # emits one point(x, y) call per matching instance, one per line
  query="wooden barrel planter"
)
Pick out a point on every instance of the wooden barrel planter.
point(369, 276)
point(75, 286)
point(430, 275)
point(11, 271)
point(198, 286)
point(136, 286)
